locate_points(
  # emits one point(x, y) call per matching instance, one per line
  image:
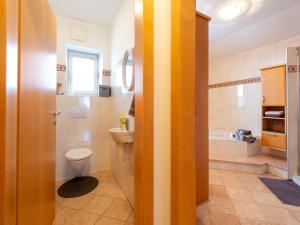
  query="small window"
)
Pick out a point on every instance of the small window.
point(83, 75)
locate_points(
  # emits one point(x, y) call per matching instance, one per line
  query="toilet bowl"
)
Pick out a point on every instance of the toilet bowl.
point(78, 158)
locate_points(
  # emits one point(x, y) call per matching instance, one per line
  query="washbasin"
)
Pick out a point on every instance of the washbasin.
point(121, 135)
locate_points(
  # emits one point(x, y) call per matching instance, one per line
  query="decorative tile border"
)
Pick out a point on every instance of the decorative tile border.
point(106, 73)
point(61, 68)
point(235, 82)
point(293, 69)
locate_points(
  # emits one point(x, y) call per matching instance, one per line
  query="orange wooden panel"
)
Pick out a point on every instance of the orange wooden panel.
point(183, 70)
point(8, 109)
point(36, 143)
point(144, 96)
point(202, 108)
point(274, 86)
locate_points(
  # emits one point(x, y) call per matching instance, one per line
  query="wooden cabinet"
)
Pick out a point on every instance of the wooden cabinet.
point(274, 99)
point(273, 80)
point(202, 107)
point(274, 140)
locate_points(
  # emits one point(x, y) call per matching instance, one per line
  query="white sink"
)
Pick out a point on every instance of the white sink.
point(121, 135)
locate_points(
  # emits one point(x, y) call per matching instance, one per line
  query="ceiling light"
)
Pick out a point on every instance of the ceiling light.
point(233, 9)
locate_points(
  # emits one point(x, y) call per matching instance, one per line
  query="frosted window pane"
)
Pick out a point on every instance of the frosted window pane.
point(83, 72)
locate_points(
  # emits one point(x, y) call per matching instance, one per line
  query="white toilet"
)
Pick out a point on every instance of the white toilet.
point(78, 158)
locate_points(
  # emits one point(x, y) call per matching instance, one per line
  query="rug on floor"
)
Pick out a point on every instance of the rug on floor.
point(285, 190)
point(77, 187)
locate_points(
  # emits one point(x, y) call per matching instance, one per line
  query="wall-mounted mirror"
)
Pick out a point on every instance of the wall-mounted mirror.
point(128, 70)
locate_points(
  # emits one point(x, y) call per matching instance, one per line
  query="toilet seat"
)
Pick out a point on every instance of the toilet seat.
point(78, 153)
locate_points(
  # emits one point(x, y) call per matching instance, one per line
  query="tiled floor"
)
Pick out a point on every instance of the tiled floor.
point(106, 205)
point(241, 199)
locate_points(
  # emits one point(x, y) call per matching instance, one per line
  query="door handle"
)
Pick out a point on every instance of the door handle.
point(56, 113)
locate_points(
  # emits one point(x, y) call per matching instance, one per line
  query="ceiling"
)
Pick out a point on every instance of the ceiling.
point(97, 12)
point(266, 21)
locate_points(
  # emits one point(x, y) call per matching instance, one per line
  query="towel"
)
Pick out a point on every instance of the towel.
point(132, 108)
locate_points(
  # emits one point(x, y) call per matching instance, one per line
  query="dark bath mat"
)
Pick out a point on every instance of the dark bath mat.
point(77, 187)
point(286, 190)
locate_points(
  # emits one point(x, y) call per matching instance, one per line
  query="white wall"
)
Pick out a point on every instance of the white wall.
point(92, 130)
point(229, 112)
point(122, 39)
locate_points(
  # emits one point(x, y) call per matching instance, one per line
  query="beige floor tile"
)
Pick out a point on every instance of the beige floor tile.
point(249, 210)
point(220, 205)
point(77, 203)
point(110, 190)
point(130, 219)
point(218, 191)
point(266, 198)
point(215, 179)
point(254, 185)
point(202, 217)
point(213, 171)
point(293, 208)
point(244, 176)
point(278, 215)
point(246, 221)
point(109, 221)
point(239, 194)
point(97, 204)
point(232, 180)
point(105, 177)
point(295, 213)
point(203, 206)
point(83, 218)
point(59, 200)
point(119, 209)
point(228, 173)
point(222, 219)
point(63, 214)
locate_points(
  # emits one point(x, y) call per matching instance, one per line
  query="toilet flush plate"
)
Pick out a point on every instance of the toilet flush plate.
point(79, 112)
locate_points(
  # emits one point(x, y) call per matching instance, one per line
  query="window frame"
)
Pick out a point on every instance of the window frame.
point(86, 55)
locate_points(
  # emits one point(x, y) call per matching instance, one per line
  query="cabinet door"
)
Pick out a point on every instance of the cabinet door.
point(274, 86)
point(274, 140)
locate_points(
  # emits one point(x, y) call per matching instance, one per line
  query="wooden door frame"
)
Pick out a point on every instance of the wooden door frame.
point(8, 110)
point(144, 112)
point(183, 70)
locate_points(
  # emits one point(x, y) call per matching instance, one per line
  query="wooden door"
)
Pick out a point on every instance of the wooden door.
point(8, 110)
point(37, 72)
point(144, 108)
point(202, 108)
point(274, 86)
point(183, 53)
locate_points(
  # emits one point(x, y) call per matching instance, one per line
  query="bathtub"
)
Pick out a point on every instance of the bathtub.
point(223, 147)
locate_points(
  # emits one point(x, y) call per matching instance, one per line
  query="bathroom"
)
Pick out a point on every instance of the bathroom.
point(238, 87)
point(87, 111)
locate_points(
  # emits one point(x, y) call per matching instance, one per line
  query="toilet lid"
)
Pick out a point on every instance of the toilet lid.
point(78, 153)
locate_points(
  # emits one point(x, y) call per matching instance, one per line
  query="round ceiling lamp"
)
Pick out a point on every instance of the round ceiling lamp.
point(232, 10)
point(225, 12)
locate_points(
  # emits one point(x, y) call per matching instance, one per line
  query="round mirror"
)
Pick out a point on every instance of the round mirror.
point(128, 70)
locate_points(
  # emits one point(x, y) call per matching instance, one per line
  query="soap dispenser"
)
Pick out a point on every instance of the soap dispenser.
point(124, 122)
